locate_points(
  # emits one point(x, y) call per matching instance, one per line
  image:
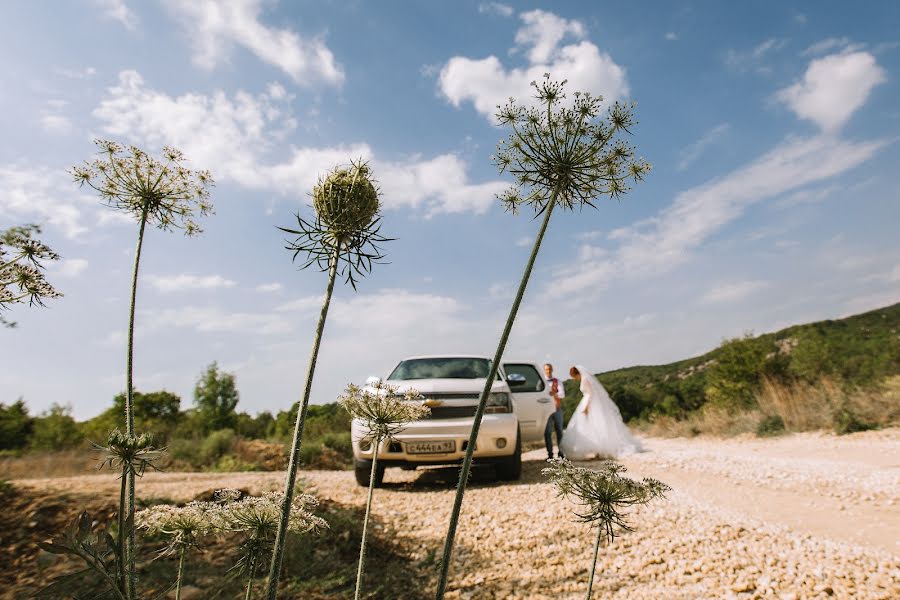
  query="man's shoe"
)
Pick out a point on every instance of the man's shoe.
point(560, 455)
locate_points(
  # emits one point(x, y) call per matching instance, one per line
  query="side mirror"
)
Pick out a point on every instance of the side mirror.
point(373, 381)
point(516, 379)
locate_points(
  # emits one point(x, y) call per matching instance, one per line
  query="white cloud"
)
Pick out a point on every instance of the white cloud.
point(826, 45)
point(496, 8)
point(542, 33)
point(43, 196)
point(208, 319)
point(732, 292)
point(486, 83)
point(524, 241)
point(85, 73)
point(670, 36)
point(268, 288)
point(666, 240)
point(234, 136)
point(692, 152)
point(305, 304)
point(214, 27)
point(59, 124)
point(70, 267)
point(185, 282)
point(119, 11)
point(754, 58)
point(440, 184)
point(833, 88)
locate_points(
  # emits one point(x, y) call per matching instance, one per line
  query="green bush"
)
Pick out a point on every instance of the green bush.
point(770, 425)
point(203, 452)
point(55, 430)
point(845, 421)
point(15, 425)
point(231, 464)
point(216, 445)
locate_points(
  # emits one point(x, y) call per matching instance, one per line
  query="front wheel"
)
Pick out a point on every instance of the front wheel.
point(510, 467)
point(362, 470)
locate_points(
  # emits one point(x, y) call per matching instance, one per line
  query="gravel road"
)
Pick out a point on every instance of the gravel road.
point(802, 516)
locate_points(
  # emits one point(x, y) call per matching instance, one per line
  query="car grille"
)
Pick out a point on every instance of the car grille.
point(453, 412)
point(451, 396)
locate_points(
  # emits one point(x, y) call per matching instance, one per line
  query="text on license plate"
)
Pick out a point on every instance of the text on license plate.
point(430, 447)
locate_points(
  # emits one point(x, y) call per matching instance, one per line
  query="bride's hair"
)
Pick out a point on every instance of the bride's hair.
point(574, 372)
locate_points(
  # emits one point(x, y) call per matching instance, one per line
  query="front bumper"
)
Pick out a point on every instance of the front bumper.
point(496, 440)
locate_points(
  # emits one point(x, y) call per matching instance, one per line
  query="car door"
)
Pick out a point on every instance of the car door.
point(533, 402)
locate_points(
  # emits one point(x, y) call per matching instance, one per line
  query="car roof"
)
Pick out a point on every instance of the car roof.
point(446, 356)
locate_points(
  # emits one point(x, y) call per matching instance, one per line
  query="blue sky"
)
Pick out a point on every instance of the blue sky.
point(772, 129)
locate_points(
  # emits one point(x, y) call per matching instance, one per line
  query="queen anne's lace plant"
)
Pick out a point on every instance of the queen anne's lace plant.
point(131, 456)
point(184, 526)
point(603, 495)
point(343, 237)
point(22, 270)
point(164, 193)
point(385, 412)
point(257, 518)
point(559, 153)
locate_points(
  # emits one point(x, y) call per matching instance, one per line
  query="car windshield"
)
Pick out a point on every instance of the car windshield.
point(441, 368)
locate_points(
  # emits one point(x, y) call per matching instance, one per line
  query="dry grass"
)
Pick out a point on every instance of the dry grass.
point(801, 407)
point(48, 464)
point(709, 420)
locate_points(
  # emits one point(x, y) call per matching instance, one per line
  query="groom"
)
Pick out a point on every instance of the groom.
point(557, 392)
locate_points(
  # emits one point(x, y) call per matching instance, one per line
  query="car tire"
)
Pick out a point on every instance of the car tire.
point(362, 470)
point(510, 468)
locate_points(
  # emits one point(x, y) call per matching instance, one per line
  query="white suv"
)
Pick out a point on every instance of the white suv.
point(516, 412)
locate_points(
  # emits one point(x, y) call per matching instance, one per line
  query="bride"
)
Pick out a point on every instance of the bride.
point(596, 428)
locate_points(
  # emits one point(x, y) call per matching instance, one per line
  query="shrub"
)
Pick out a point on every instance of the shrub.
point(770, 425)
point(845, 421)
point(15, 425)
point(55, 430)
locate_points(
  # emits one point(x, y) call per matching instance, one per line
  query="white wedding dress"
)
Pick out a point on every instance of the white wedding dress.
point(601, 433)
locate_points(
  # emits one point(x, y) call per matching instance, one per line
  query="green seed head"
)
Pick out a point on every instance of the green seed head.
point(346, 200)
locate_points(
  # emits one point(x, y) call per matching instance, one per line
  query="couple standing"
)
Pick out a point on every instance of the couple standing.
point(596, 429)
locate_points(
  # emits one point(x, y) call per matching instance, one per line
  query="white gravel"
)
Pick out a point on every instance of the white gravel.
point(804, 516)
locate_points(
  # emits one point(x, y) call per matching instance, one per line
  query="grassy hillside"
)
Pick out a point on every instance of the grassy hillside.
point(856, 353)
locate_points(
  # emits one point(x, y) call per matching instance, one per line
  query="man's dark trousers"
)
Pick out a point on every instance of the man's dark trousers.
point(554, 422)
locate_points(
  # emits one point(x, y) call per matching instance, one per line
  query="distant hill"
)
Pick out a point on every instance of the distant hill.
point(860, 351)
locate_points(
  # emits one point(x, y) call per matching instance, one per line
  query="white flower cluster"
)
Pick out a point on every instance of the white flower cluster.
point(384, 411)
point(230, 512)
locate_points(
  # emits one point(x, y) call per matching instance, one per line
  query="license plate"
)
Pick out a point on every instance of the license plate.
point(430, 447)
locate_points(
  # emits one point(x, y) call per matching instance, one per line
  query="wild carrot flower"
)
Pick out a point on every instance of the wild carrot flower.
point(344, 236)
point(347, 224)
point(558, 153)
point(257, 518)
point(603, 495)
point(184, 526)
point(22, 270)
point(385, 413)
point(159, 191)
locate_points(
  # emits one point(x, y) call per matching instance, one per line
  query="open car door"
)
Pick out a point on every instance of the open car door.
point(533, 402)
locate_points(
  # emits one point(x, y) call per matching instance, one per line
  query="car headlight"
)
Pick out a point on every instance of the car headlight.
point(498, 402)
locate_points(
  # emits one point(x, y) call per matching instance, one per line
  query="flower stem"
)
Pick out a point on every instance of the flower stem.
point(129, 550)
point(250, 579)
point(479, 413)
point(180, 573)
point(362, 545)
point(291, 479)
point(120, 534)
point(594, 564)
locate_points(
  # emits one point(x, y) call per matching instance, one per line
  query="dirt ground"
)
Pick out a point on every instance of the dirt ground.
point(801, 516)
